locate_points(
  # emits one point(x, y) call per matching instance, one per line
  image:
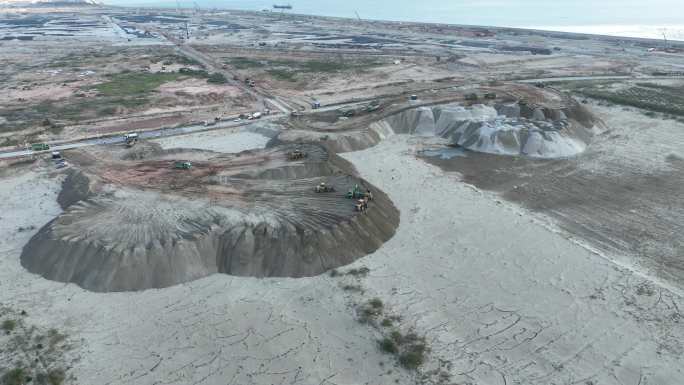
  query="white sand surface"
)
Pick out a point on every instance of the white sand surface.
point(227, 141)
point(497, 293)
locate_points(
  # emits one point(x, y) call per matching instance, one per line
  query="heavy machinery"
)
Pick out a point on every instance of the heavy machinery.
point(361, 205)
point(131, 139)
point(40, 147)
point(324, 188)
point(355, 193)
point(296, 155)
point(373, 106)
point(182, 165)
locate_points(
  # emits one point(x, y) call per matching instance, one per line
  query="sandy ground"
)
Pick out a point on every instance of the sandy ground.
point(496, 292)
point(227, 141)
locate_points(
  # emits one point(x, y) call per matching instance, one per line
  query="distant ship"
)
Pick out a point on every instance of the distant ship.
point(287, 6)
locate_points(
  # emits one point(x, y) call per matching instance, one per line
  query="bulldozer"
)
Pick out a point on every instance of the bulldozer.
point(296, 155)
point(324, 188)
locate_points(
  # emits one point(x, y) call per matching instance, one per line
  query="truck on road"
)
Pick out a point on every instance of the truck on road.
point(40, 147)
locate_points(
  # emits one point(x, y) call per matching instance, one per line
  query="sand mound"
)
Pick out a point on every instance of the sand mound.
point(506, 129)
point(147, 225)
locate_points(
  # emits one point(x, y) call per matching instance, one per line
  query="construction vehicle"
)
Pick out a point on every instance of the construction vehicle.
point(324, 188)
point(131, 139)
point(296, 155)
point(355, 193)
point(373, 106)
point(40, 147)
point(361, 205)
point(56, 155)
point(180, 165)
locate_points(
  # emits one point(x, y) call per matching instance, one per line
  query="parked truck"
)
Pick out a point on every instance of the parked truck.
point(40, 147)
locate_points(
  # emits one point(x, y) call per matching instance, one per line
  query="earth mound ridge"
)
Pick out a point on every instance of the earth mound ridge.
point(147, 225)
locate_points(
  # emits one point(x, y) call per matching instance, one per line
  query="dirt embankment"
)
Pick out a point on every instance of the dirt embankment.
point(148, 225)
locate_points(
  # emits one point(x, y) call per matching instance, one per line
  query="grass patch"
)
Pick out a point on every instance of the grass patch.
point(9, 325)
point(16, 376)
point(243, 63)
point(388, 345)
point(410, 349)
point(134, 83)
point(353, 288)
point(56, 377)
point(177, 59)
point(282, 74)
point(287, 70)
point(647, 96)
point(217, 78)
point(376, 303)
point(360, 272)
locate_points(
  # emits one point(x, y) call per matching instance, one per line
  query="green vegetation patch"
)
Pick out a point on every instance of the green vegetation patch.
point(134, 83)
point(38, 356)
point(288, 70)
point(648, 96)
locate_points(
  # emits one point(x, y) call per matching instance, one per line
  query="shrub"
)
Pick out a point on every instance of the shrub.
point(56, 377)
point(376, 303)
point(360, 272)
point(8, 325)
point(388, 346)
point(15, 376)
point(412, 359)
point(355, 288)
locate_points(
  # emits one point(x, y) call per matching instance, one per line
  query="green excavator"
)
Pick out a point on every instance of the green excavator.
point(355, 193)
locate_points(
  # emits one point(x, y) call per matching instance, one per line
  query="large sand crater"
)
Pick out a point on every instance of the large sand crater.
point(139, 223)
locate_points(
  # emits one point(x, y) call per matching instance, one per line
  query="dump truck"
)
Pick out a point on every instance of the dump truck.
point(324, 188)
point(40, 147)
point(182, 165)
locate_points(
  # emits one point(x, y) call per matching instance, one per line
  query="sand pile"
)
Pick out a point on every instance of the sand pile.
point(506, 129)
point(142, 224)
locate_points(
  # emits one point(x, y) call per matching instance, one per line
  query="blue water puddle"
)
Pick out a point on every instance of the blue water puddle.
point(444, 153)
